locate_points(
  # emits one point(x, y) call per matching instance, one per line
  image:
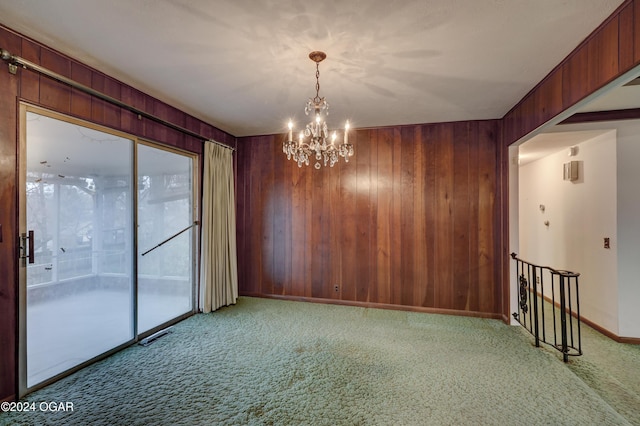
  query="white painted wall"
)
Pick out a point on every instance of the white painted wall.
point(580, 215)
point(628, 209)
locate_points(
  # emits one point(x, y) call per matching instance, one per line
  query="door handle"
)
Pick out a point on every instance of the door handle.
point(31, 248)
point(27, 248)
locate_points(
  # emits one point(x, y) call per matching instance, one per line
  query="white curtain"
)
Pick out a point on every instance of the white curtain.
point(218, 259)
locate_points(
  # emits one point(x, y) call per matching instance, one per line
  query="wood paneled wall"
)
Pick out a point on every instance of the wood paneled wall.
point(610, 51)
point(8, 229)
point(373, 240)
point(39, 90)
point(411, 221)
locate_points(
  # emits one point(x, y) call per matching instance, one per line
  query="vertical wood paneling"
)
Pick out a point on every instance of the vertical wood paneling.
point(461, 216)
point(511, 123)
point(111, 114)
point(255, 218)
point(396, 220)
point(55, 95)
point(191, 143)
point(241, 216)
point(502, 243)
point(129, 121)
point(176, 137)
point(30, 81)
point(325, 250)
point(407, 232)
point(420, 252)
point(8, 242)
point(266, 218)
point(410, 221)
point(335, 224)
point(476, 130)
point(384, 168)
point(298, 230)
point(444, 218)
point(529, 113)
point(280, 212)
point(603, 56)
point(625, 39)
point(317, 226)
point(97, 105)
point(429, 140)
point(160, 110)
point(307, 173)
point(372, 260)
point(548, 99)
point(574, 78)
point(399, 225)
point(488, 220)
point(348, 226)
point(362, 195)
point(286, 194)
point(80, 101)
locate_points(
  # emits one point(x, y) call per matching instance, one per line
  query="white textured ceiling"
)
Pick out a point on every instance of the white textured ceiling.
point(242, 65)
point(554, 141)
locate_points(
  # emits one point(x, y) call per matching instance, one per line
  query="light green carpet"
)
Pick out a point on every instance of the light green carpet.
point(278, 362)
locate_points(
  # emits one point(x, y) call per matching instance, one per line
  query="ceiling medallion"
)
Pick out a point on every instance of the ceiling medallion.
point(314, 140)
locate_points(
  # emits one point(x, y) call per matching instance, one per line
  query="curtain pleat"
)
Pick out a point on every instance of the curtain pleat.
point(218, 257)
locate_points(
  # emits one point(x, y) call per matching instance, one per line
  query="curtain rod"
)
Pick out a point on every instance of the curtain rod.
point(14, 60)
point(220, 144)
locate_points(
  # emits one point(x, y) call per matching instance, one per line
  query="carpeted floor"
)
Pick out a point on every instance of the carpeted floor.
point(276, 362)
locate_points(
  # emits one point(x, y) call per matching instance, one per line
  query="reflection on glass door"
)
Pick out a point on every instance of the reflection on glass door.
point(165, 235)
point(79, 281)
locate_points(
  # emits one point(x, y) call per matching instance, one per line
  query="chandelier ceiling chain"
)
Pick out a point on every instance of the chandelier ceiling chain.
point(317, 98)
point(312, 142)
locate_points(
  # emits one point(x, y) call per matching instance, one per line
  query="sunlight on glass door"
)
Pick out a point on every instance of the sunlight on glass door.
point(165, 236)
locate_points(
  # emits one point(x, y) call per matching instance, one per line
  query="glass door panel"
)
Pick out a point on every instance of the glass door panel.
point(78, 201)
point(165, 236)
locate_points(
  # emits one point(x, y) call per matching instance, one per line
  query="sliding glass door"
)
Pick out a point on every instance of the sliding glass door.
point(165, 236)
point(107, 242)
point(77, 250)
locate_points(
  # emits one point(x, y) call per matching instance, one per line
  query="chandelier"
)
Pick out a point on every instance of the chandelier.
point(314, 140)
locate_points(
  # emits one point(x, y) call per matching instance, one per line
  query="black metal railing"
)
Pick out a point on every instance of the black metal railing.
point(549, 306)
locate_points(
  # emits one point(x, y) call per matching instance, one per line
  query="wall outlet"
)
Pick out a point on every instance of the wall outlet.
point(607, 242)
point(336, 288)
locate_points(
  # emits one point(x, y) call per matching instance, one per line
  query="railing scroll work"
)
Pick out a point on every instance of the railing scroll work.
point(549, 306)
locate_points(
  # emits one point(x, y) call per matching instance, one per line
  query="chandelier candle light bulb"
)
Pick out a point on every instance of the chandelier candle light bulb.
point(317, 132)
point(346, 132)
